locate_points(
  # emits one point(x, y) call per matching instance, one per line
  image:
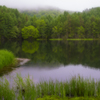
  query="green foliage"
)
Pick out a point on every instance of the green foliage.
point(48, 24)
point(81, 32)
point(26, 88)
point(6, 58)
point(55, 31)
point(11, 23)
point(30, 31)
point(67, 98)
point(75, 89)
point(41, 26)
point(6, 92)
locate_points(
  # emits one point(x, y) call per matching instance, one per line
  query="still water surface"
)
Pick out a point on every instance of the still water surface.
point(55, 59)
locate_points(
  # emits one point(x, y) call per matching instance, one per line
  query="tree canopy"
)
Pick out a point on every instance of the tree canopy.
point(30, 31)
point(15, 24)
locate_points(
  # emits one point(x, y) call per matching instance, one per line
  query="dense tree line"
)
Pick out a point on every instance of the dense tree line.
point(11, 23)
point(14, 24)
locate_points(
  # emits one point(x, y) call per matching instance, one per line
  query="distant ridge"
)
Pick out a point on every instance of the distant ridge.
point(44, 11)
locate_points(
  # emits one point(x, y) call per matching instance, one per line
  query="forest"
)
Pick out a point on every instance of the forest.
point(15, 24)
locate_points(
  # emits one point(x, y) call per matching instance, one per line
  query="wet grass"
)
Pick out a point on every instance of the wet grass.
point(41, 39)
point(6, 93)
point(75, 89)
point(85, 39)
point(68, 98)
point(6, 58)
point(88, 39)
point(71, 39)
point(56, 39)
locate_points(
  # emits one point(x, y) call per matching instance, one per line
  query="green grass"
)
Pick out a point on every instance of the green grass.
point(52, 39)
point(56, 39)
point(41, 39)
point(6, 93)
point(6, 58)
point(68, 98)
point(59, 39)
point(75, 89)
point(73, 39)
point(82, 39)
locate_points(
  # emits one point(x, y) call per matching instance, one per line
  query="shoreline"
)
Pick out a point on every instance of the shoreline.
point(22, 61)
point(72, 39)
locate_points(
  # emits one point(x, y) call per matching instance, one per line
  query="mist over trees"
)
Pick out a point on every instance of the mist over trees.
point(49, 24)
point(43, 12)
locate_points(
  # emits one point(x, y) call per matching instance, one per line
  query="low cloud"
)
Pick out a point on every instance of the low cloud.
point(72, 5)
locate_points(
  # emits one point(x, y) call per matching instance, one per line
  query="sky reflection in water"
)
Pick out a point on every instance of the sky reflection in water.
point(61, 73)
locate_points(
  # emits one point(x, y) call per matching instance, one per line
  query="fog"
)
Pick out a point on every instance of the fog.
point(72, 5)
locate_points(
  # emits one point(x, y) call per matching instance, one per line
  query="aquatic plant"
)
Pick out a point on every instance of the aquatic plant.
point(25, 88)
point(67, 98)
point(7, 58)
point(77, 88)
point(6, 93)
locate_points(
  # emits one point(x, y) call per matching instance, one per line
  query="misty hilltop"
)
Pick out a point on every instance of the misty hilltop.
point(71, 5)
point(44, 11)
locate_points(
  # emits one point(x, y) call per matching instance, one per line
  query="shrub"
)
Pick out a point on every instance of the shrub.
point(6, 58)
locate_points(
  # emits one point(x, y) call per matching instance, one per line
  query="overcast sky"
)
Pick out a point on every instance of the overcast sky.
point(72, 5)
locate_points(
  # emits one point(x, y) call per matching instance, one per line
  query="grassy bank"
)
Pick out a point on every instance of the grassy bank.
point(89, 39)
point(56, 39)
point(72, 39)
point(78, 39)
point(75, 89)
point(6, 58)
point(68, 98)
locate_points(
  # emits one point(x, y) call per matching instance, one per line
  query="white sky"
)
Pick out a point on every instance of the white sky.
point(72, 5)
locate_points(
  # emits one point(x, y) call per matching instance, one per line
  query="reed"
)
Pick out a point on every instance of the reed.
point(6, 58)
point(6, 93)
point(67, 98)
point(77, 88)
point(25, 88)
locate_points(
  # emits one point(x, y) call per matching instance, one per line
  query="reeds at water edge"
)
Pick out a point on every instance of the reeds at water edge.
point(25, 89)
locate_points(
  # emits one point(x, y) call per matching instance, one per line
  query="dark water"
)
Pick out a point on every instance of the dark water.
point(59, 60)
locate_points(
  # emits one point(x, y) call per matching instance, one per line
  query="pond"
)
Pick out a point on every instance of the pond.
point(59, 60)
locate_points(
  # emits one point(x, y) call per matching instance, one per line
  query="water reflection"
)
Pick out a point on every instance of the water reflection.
point(28, 47)
point(62, 73)
point(53, 55)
